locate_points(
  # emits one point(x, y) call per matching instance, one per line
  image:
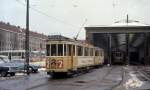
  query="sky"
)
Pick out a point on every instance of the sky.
point(68, 17)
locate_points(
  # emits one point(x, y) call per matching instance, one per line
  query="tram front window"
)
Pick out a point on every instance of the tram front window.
point(60, 50)
point(53, 50)
point(56, 49)
point(118, 54)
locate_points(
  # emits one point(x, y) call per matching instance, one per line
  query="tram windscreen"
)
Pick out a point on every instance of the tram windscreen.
point(118, 54)
point(53, 50)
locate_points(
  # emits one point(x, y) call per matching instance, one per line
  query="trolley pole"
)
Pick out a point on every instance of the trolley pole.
point(27, 36)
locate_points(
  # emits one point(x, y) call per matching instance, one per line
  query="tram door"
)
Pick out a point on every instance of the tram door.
point(71, 49)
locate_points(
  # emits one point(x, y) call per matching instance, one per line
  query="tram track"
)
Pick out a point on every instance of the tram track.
point(104, 79)
point(121, 81)
point(84, 81)
point(143, 71)
point(2, 79)
point(87, 84)
point(60, 84)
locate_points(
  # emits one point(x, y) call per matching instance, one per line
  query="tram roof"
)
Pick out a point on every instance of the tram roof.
point(73, 43)
point(58, 39)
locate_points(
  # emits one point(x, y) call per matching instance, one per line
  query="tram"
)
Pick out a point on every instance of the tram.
point(20, 54)
point(118, 57)
point(70, 57)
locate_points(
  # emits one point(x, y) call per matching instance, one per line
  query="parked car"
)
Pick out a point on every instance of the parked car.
point(23, 66)
point(14, 66)
point(8, 68)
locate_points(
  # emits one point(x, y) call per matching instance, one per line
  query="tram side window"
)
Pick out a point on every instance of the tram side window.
point(96, 53)
point(91, 52)
point(14, 54)
point(60, 49)
point(23, 55)
point(69, 50)
point(53, 50)
point(73, 50)
point(47, 50)
point(6, 54)
point(86, 51)
point(65, 50)
point(19, 54)
point(80, 51)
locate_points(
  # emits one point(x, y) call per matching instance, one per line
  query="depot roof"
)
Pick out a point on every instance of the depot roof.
point(122, 26)
point(122, 23)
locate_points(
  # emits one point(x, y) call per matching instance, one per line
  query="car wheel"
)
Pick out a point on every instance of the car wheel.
point(30, 69)
point(3, 74)
point(12, 74)
point(35, 71)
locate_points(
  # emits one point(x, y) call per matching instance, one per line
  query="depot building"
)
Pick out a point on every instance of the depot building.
point(131, 37)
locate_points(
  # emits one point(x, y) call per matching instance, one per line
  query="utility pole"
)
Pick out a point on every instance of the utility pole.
point(127, 44)
point(110, 50)
point(27, 37)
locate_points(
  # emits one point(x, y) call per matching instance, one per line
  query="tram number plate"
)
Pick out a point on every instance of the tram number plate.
point(56, 64)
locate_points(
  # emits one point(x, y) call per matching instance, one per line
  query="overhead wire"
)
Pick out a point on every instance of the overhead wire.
point(50, 17)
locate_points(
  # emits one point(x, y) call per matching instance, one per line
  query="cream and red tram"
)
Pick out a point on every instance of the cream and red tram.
point(70, 56)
